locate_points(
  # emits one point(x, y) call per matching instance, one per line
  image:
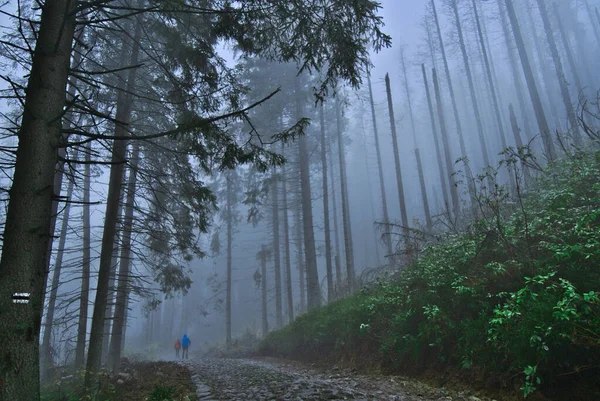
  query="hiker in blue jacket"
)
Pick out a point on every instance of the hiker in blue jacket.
point(185, 343)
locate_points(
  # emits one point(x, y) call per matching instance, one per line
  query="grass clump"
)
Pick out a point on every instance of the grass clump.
point(515, 296)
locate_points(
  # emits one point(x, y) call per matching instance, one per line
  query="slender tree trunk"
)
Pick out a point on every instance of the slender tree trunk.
point(461, 140)
point(23, 264)
point(122, 295)
point(516, 74)
point(593, 22)
point(276, 252)
point(329, 266)
point(312, 273)
point(86, 264)
point(123, 114)
point(348, 243)
point(560, 75)
point(403, 213)
point(108, 314)
point(45, 354)
point(229, 259)
point(338, 267)
point(533, 91)
point(447, 150)
point(286, 241)
point(568, 51)
point(300, 247)
point(436, 141)
point(263, 267)
point(517, 134)
point(426, 209)
point(386, 219)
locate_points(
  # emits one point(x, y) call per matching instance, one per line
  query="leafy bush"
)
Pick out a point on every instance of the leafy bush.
point(515, 295)
point(162, 393)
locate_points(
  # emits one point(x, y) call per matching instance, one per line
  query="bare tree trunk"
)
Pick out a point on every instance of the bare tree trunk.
point(447, 150)
point(329, 266)
point(123, 114)
point(108, 314)
point(426, 209)
point(312, 273)
point(533, 91)
point(386, 219)
point(45, 354)
point(568, 50)
point(516, 74)
point(560, 75)
point(286, 241)
point(85, 268)
point(593, 22)
point(449, 80)
point(338, 267)
point(122, 295)
point(436, 141)
point(517, 134)
point(348, 244)
point(300, 247)
point(263, 267)
point(403, 213)
point(276, 252)
point(229, 261)
point(23, 264)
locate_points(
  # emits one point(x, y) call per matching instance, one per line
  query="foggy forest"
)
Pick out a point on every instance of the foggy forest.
point(299, 200)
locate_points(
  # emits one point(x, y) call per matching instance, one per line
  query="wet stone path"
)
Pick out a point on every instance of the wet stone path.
point(272, 379)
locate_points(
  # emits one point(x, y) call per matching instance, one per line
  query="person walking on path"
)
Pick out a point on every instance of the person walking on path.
point(177, 347)
point(185, 343)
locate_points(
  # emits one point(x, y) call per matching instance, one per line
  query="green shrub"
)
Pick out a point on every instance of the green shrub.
point(162, 393)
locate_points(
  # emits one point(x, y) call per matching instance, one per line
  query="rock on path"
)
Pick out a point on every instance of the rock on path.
point(271, 379)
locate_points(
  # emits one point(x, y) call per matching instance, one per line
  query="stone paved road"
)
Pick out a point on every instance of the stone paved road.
point(272, 379)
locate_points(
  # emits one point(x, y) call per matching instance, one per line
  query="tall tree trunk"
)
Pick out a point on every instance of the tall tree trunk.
point(300, 246)
point(286, 241)
point(45, 354)
point(426, 209)
point(568, 51)
point(517, 134)
point(447, 150)
point(328, 264)
point(263, 267)
point(533, 91)
point(386, 219)
point(403, 213)
point(123, 115)
point(23, 264)
point(560, 75)
point(123, 286)
point(108, 313)
point(229, 259)
point(516, 74)
point(594, 22)
point(494, 90)
point(312, 273)
point(436, 141)
point(276, 252)
point(336, 234)
point(461, 140)
point(86, 265)
point(348, 243)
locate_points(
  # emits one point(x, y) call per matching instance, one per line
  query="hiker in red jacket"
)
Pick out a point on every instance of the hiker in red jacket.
point(177, 347)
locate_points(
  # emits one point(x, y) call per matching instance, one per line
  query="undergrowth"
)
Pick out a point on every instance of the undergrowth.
point(515, 295)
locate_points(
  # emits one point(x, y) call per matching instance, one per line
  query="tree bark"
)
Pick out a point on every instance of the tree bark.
point(328, 264)
point(123, 115)
point(386, 218)
point(436, 141)
point(286, 241)
point(118, 326)
point(533, 91)
point(86, 265)
point(276, 252)
point(108, 313)
point(300, 246)
point(348, 243)
point(45, 353)
point(568, 51)
point(312, 273)
point(338, 267)
point(426, 209)
point(560, 75)
point(263, 267)
point(229, 259)
point(447, 150)
point(23, 265)
point(403, 213)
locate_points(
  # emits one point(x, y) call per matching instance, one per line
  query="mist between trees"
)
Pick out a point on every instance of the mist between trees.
point(217, 168)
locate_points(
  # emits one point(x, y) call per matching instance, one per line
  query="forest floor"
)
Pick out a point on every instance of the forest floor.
point(246, 379)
